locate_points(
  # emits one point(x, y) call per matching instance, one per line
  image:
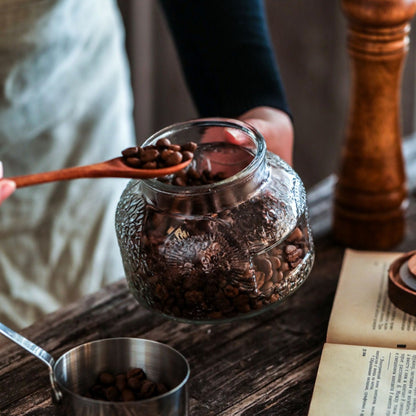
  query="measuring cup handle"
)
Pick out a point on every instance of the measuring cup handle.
point(35, 350)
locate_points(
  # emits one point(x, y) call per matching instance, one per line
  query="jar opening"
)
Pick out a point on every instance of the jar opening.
point(227, 151)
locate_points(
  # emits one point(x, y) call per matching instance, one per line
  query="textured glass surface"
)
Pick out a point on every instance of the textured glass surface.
point(220, 252)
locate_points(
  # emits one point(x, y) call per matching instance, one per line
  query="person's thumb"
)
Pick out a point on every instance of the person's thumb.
point(7, 187)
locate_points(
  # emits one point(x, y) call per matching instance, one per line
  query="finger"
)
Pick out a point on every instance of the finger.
point(7, 187)
point(279, 138)
point(226, 134)
point(224, 158)
point(236, 137)
point(213, 134)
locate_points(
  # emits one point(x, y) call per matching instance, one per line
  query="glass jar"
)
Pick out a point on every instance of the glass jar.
point(222, 248)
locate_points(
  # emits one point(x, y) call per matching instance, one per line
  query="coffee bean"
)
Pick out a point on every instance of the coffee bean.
point(129, 386)
point(296, 235)
point(164, 142)
point(131, 151)
point(133, 161)
point(106, 378)
point(163, 154)
point(147, 389)
point(121, 381)
point(259, 279)
point(186, 155)
point(295, 263)
point(150, 165)
point(276, 262)
point(111, 394)
point(277, 276)
point(134, 383)
point(191, 177)
point(149, 155)
point(294, 255)
point(127, 395)
point(193, 174)
point(161, 388)
point(290, 249)
point(274, 297)
point(179, 181)
point(97, 392)
point(190, 146)
point(175, 148)
point(267, 286)
point(265, 265)
point(136, 372)
point(231, 291)
point(174, 159)
point(285, 267)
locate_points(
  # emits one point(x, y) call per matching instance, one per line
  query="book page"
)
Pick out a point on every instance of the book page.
point(364, 381)
point(362, 313)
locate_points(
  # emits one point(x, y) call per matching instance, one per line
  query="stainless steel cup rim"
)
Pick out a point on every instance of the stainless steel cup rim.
point(58, 387)
point(179, 355)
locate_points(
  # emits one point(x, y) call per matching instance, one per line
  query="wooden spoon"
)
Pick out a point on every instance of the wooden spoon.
point(113, 168)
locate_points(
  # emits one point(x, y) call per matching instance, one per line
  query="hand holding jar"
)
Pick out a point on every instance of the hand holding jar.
point(276, 127)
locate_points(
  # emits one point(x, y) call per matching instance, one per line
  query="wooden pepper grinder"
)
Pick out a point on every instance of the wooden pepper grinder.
point(371, 193)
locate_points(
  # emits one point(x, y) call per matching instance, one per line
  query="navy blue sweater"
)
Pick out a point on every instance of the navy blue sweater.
point(226, 55)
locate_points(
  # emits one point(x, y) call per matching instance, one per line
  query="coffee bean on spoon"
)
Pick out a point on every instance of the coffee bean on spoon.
point(171, 157)
point(130, 152)
point(186, 155)
point(165, 142)
point(133, 161)
point(190, 147)
point(175, 147)
point(160, 155)
point(150, 165)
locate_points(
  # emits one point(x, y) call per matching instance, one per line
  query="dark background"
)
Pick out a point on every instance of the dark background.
point(310, 43)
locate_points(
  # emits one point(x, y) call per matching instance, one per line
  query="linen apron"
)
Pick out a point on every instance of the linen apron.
point(65, 100)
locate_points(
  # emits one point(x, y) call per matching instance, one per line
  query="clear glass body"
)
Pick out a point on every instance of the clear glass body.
point(216, 251)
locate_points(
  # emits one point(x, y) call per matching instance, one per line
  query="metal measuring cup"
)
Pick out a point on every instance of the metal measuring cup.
point(76, 370)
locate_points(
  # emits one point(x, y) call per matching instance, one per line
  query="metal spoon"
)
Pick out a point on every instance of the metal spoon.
point(78, 367)
point(113, 168)
point(37, 351)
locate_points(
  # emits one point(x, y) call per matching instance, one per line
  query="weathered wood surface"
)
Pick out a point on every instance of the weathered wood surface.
point(262, 366)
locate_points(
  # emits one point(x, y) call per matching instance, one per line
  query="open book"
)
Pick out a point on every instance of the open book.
point(368, 363)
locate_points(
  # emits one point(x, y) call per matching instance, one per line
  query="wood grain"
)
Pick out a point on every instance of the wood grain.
point(261, 366)
point(371, 190)
point(113, 168)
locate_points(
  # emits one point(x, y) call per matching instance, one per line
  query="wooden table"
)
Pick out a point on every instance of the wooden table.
point(261, 366)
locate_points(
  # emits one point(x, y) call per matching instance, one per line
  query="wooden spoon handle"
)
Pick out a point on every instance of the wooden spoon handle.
point(89, 171)
point(113, 168)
